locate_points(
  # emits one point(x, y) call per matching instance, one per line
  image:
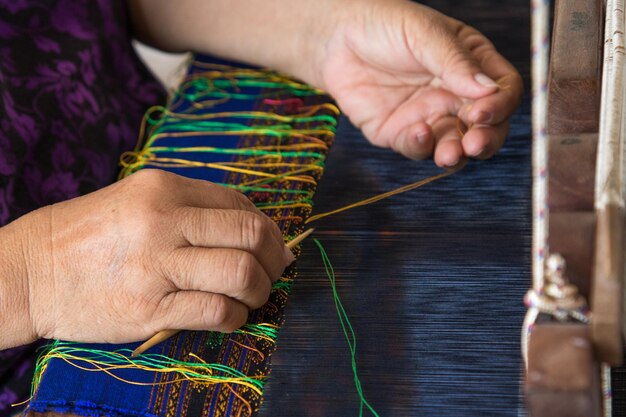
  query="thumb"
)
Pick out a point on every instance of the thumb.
point(455, 65)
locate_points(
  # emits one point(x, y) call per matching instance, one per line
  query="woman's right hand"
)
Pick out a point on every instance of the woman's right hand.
point(151, 252)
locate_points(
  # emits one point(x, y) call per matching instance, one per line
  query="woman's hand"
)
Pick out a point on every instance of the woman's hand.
point(411, 78)
point(417, 81)
point(154, 251)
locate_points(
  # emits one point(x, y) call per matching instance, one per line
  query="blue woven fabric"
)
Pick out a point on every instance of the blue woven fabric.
point(77, 386)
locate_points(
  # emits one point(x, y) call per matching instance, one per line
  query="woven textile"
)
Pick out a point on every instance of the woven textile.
point(251, 130)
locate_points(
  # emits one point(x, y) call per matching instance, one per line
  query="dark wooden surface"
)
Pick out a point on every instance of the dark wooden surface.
point(607, 301)
point(563, 379)
point(557, 388)
point(572, 163)
point(575, 67)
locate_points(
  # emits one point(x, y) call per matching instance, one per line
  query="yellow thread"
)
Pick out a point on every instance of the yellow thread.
point(245, 402)
point(284, 206)
point(461, 128)
point(222, 71)
point(183, 163)
point(294, 133)
point(311, 110)
point(385, 195)
point(275, 148)
point(22, 403)
point(100, 366)
point(502, 85)
point(249, 348)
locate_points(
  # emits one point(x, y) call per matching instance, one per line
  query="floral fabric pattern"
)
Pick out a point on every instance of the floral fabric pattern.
point(72, 94)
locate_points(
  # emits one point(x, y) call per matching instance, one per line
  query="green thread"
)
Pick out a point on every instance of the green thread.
point(346, 326)
point(332, 121)
point(227, 85)
point(282, 176)
point(215, 339)
point(306, 201)
point(215, 126)
point(206, 88)
point(110, 361)
point(259, 330)
point(265, 190)
point(234, 151)
point(282, 285)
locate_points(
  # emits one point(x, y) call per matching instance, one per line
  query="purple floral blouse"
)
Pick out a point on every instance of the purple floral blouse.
point(72, 94)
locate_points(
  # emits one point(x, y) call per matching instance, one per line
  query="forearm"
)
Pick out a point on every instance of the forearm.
point(15, 322)
point(284, 35)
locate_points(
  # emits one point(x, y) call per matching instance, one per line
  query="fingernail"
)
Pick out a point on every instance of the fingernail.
point(289, 256)
point(479, 153)
point(422, 138)
point(483, 117)
point(485, 81)
point(451, 164)
point(459, 164)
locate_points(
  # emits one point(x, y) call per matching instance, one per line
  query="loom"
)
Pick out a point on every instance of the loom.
point(433, 280)
point(574, 327)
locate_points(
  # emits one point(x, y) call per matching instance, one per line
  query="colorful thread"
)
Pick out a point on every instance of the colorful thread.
point(98, 360)
point(274, 153)
point(346, 326)
point(388, 194)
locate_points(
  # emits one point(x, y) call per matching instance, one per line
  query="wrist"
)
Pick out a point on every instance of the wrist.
point(325, 24)
point(16, 325)
point(309, 48)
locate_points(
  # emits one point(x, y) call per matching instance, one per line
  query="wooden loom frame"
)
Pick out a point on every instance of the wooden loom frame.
point(568, 358)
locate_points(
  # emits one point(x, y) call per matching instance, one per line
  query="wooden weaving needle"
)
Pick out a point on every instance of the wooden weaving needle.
point(166, 334)
point(295, 241)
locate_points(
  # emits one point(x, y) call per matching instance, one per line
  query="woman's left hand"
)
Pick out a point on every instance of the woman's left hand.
point(418, 82)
